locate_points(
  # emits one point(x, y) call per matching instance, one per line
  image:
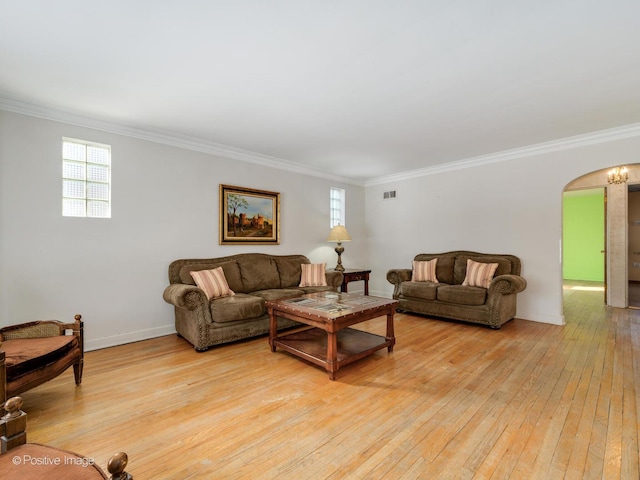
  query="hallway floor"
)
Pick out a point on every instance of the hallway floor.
point(582, 286)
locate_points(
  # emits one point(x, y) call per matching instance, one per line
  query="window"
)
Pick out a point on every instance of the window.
point(86, 179)
point(336, 207)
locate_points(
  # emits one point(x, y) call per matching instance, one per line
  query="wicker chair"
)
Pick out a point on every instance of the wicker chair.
point(27, 461)
point(36, 352)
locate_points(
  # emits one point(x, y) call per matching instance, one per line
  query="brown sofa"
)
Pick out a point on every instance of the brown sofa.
point(254, 278)
point(448, 298)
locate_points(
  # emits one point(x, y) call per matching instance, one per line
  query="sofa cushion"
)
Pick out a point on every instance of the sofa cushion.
point(424, 271)
point(422, 290)
point(462, 295)
point(212, 282)
point(278, 293)
point(479, 274)
point(444, 268)
point(230, 268)
point(24, 355)
point(289, 269)
point(313, 275)
point(460, 268)
point(258, 273)
point(237, 307)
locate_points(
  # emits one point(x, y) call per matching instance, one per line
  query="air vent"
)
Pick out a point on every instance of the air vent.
point(389, 194)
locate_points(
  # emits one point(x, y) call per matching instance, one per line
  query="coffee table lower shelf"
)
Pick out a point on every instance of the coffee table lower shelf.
point(311, 344)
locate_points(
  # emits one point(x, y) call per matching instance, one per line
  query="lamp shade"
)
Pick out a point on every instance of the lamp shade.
point(339, 234)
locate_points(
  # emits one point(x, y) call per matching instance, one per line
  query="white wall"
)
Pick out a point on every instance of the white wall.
point(512, 207)
point(164, 207)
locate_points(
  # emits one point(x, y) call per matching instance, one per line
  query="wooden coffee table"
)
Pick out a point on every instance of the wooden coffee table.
point(327, 341)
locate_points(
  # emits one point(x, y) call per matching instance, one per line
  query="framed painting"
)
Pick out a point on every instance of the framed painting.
point(249, 216)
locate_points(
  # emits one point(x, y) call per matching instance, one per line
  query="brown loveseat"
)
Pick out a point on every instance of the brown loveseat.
point(254, 278)
point(449, 298)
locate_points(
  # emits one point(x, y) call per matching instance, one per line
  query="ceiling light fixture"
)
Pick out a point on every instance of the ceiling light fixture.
point(618, 175)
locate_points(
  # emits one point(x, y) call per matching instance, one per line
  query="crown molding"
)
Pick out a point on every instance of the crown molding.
point(601, 136)
point(174, 140)
point(225, 151)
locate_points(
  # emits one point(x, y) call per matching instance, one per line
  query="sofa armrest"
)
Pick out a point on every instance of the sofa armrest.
point(185, 296)
point(396, 276)
point(334, 279)
point(507, 285)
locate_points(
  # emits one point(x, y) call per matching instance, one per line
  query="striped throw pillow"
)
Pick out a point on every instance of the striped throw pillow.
point(424, 271)
point(313, 275)
point(213, 282)
point(479, 274)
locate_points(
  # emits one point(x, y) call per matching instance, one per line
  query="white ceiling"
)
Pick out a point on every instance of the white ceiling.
point(359, 89)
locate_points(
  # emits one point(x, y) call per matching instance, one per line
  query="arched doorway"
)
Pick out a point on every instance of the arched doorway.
point(616, 254)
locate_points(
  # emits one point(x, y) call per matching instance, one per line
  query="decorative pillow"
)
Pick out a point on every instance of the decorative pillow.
point(479, 274)
point(424, 271)
point(213, 282)
point(313, 275)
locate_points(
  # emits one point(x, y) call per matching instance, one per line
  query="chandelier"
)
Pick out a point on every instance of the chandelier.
point(618, 175)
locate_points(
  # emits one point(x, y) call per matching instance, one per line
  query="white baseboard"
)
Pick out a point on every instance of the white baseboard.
point(105, 342)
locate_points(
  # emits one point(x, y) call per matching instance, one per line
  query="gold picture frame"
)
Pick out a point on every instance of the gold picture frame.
point(249, 216)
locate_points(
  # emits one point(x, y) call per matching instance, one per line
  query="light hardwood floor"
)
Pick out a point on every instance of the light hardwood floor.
point(529, 401)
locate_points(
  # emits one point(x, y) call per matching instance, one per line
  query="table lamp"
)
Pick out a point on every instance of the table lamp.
point(339, 234)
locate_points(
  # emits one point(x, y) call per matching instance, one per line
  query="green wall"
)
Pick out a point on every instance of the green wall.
point(583, 235)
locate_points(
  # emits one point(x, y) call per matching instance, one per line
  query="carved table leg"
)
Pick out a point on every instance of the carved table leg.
point(273, 329)
point(390, 331)
point(332, 354)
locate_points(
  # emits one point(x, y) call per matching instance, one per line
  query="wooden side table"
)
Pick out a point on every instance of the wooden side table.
point(354, 275)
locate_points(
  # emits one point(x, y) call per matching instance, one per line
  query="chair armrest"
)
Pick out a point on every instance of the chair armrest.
point(507, 285)
point(185, 296)
point(116, 465)
point(334, 279)
point(13, 425)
